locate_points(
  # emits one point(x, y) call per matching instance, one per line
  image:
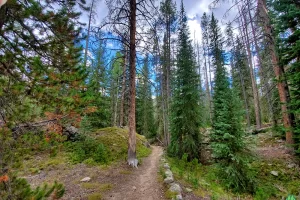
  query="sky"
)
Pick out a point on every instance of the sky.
point(194, 10)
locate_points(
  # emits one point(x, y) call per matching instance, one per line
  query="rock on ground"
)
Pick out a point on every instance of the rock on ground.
point(175, 188)
point(86, 179)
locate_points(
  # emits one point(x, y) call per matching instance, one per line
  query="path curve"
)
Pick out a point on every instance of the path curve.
point(142, 183)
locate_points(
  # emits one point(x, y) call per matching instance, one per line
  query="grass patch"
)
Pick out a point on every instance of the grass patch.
point(170, 195)
point(270, 186)
point(201, 178)
point(95, 196)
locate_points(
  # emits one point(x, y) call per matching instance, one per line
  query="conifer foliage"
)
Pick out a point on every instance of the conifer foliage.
point(185, 123)
point(287, 26)
point(226, 138)
point(144, 109)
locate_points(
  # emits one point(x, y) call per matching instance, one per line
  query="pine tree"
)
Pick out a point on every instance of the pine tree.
point(185, 123)
point(226, 138)
point(241, 77)
point(98, 113)
point(43, 65)
point(115, 73)
point(205, 41)
point(287, 16)
point(168, 17)
point(144, 109)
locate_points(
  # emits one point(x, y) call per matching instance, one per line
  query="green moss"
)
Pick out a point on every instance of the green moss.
point(95, 196)
point(170, 195)
point(34, 170)
point(90, 162)
point(116, 142)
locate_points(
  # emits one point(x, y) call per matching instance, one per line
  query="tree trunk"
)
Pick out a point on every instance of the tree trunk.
point(270, 107)
point(88, 34)
point(252, 75)
point(132, 74)
point(116, 104)
point(244, 96)
point(207, 85)
point(279, 72)
point(121, 124)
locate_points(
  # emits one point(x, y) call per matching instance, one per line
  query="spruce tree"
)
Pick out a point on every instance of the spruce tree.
point(98, 112)
point(145, 109)
point(185, 123)
point(287, 19)
point(227, 134)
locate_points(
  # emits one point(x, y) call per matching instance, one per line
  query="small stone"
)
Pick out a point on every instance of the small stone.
point(163, 160)
point(134, 188)
point(188, 190)
point(179, 197)
point(292, 165)
point(168, 173)
point(274, 173)
point(166, 166)
point(175, 188)
point(169, 180)
point(85, 179)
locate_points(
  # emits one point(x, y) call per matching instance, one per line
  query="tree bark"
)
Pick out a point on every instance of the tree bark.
point(121, 124)
point(278, 70)
point(132, 74)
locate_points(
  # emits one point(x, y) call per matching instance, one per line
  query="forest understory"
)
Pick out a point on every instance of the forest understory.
point(149, 99)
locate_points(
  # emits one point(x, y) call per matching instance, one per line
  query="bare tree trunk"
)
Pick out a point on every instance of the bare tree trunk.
point(88, 34)
point(252, 75)
point(207, 85)
point(116, 104)
point(271, 111)
point(132, 74)
point(121, 124)
point(279, 72)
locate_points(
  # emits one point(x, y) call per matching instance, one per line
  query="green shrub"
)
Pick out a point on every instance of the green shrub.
point(264, 192)
point(237, 174)
point(87, 148)
point(18, 189)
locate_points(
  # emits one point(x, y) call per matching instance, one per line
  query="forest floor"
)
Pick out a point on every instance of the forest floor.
point(142, 183)
point(116, 182)
point(277, 173)
point(276, 170)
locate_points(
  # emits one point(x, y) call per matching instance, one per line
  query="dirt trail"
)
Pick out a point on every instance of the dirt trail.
point(142, 183)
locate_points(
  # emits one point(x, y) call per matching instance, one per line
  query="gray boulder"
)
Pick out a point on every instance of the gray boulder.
point(175, 188)
point(169, 180)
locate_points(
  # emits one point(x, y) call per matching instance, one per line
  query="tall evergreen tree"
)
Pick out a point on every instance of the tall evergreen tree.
point(227, 133)
point(287, 15)
point(145, 109)
point(205, 43)
point(168, 17)
point(241, 77)
point(185, 123)
point(97, 85)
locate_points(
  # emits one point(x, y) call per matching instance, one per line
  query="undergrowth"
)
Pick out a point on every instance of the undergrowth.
point(208, 182)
